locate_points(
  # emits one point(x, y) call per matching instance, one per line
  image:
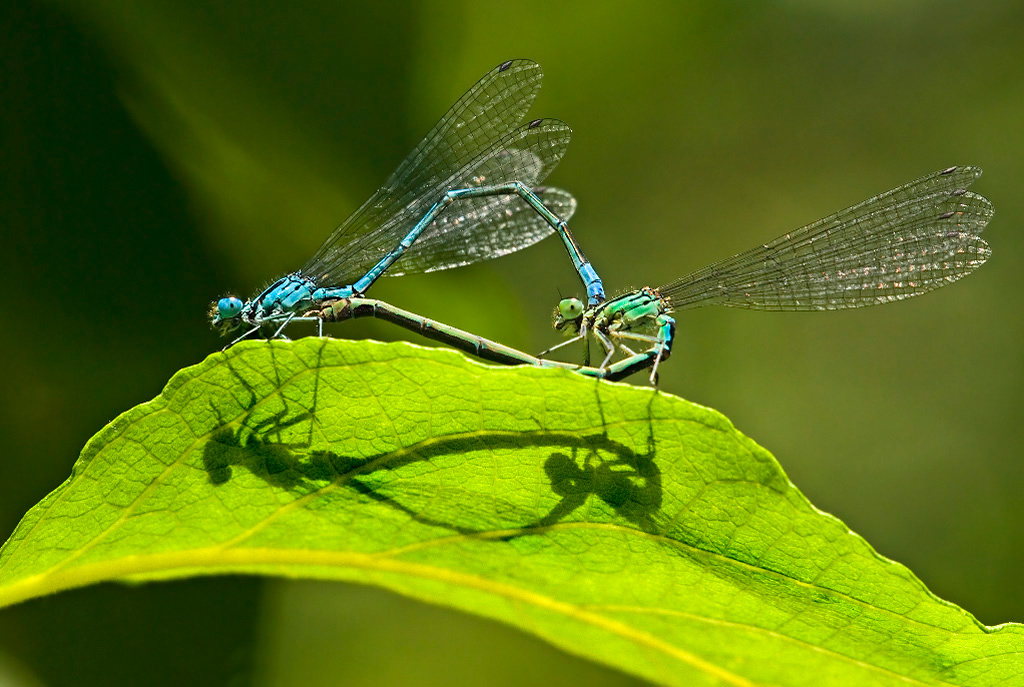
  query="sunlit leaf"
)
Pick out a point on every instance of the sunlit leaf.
point(619, 523)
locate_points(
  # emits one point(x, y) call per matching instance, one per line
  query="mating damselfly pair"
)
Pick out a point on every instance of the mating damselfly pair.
point(470, 191)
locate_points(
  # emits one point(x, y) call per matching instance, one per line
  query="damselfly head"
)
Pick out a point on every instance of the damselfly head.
point(225, 314)
point(569, 313)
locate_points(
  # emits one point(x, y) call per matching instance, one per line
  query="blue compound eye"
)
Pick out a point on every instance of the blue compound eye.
point(229, 307)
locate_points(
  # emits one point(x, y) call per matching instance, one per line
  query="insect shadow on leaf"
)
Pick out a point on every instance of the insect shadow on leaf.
point(276, 447)
point(257, 439)
point(628, 481)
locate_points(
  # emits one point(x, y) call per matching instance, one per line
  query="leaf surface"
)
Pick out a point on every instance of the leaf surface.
point(617, 522)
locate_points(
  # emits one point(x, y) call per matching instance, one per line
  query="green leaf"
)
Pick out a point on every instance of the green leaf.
point(619, 523)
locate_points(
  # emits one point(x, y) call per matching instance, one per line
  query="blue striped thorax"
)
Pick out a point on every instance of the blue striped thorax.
point(289, 294)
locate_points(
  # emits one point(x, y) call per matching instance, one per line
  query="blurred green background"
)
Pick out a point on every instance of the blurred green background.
point(159, 154)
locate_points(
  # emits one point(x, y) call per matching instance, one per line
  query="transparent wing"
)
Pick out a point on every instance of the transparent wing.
point(500, 225)
point(484, 115)
point(897, 245)
point(528, 154)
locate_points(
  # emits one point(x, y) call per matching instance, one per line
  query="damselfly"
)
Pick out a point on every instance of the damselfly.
point(480, 156)
point(897, 245)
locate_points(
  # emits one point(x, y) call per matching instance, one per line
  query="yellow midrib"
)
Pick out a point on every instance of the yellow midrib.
point(212, 558)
